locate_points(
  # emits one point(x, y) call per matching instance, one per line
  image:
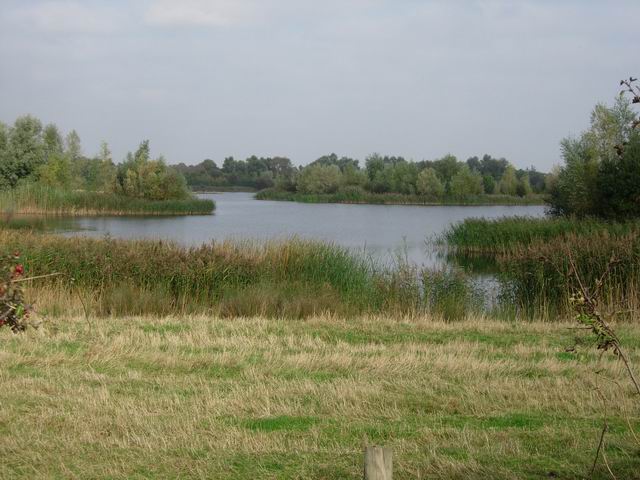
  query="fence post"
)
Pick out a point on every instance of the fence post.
point(378, 464)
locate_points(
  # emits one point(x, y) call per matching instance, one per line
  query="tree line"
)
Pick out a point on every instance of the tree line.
point(33, 153)
point(329, 174)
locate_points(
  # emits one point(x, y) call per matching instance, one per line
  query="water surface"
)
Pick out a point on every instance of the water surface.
point(381, 230)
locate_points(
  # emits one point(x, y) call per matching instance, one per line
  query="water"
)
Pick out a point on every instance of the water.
point(383, 231)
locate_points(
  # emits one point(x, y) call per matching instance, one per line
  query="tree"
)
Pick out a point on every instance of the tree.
point(73, 146)
point(53, 144)
point(524, 187)
point(489, 184)
point(446, 168)
point(618, 183)
point(24, 152)
point(577, 187)
point(319, 179)
point(429, 185)
point(509, 181)
point(466, 183)
point(141, 177)
point(57, 172)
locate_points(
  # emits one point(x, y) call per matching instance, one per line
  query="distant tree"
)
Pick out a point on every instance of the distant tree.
point(466, 183)
point(489, 184)
point(319, 179)
point(25, 151)
point(73, 146)
point(57, 172)
point(141, 177)
point(446, 167)
point(53, 144)
point(509, 181)
point(524, 187)
point(429, 185)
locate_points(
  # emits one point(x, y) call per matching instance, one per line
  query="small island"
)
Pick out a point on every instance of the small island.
point(388, 180)
point(42, 173)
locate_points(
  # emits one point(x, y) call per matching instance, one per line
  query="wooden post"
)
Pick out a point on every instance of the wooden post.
point(378, 464)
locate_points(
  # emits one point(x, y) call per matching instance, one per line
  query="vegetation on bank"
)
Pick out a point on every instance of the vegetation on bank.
point(40, 199)
point(601, 172)
point(387, 179)
point(42, 173)
point(534, 260)
point(505, 235)
point(247, 398)
point(335, 179)
point(358, 195)
point(292, 278)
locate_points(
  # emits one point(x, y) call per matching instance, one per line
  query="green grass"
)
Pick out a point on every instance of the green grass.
point(246, 398)
point(504, 234)
point(38, 199)
point(293, 278)
point(364, 197)
point(533, 259)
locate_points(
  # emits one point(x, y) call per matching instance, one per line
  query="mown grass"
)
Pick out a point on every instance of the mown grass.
point(293, 278)
point(244, 398)
point(355, 196)
point(38, 199)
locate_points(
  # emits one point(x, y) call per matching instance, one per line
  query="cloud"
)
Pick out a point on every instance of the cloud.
point(70, 17)
point(205, 13)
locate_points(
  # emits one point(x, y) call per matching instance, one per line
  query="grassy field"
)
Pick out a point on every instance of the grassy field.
point(363, 197)
point(245, 398)
point(36, 199)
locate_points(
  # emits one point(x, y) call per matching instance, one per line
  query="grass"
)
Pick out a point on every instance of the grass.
point(37, 199)
point(363, 197)
point(502, 235)
point(532, 257)
point(244, 398)
point(293, 278)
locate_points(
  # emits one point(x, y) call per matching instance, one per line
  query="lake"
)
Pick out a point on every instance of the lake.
point(383, 231)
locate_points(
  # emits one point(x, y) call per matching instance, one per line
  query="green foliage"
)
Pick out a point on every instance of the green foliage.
point(141, 177)
point(466, 183)
point(320, 179)
point(429, 185)
point(601, 167)
point(38, 198)
point(23, 150)
point(509, 181)
point(505, 234)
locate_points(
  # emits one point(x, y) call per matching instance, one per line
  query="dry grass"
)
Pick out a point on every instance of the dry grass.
point(201, 397)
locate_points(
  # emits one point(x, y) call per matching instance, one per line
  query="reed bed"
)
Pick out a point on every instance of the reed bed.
point(501, 235)
point(291, 278)
point(363, 197)
point(38, 199)
point(540, 277)
point(532, 256)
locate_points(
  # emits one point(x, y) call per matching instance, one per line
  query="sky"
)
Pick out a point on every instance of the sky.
point(303, 78)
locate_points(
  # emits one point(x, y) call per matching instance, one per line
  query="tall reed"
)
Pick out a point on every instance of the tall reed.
point(39, 199)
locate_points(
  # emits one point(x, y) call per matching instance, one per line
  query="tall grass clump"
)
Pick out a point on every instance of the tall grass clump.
point(540, 278)
point(358, 195)
point(294, 277)
point(290, 278)
point(40, 199)
point(501, 235)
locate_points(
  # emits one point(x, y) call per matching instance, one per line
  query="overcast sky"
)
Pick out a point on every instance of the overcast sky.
point(302, 78)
